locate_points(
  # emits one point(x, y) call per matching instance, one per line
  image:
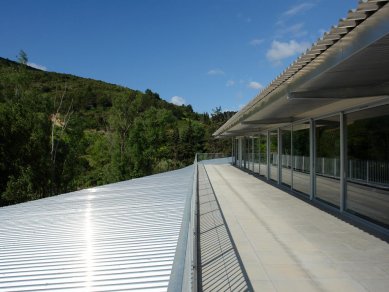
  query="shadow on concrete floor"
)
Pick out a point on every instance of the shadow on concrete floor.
point(220, 267)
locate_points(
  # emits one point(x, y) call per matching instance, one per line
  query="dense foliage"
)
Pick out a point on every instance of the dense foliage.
point(60, 133)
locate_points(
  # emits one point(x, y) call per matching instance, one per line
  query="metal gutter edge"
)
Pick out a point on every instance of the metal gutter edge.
point(184, 270)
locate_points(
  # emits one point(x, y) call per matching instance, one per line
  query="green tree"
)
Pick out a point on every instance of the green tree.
point(98, 155)
point(121, 120)
point(114, 133)
point(192, 141)
point(25, 132)
point(151, 142)
point(22, 57)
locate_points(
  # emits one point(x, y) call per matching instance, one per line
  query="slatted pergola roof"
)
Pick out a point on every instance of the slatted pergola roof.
point(347, 66)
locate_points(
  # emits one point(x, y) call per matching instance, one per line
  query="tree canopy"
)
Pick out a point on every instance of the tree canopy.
point(60, 133)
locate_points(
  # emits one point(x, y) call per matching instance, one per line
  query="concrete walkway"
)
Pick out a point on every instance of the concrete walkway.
point(220, 266)
point(288, 245)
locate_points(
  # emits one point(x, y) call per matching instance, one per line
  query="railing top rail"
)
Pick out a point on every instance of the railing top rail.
point(181, 277)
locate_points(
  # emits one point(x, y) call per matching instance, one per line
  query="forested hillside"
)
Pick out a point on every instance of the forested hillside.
point(60, 133)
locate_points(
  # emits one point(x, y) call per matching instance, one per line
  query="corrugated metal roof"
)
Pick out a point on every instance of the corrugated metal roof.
point(121, 236)
point(365, 9)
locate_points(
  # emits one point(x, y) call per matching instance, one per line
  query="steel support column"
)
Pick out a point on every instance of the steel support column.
point(235, 153)
point(232, 150)
point(343, 161)
point(240, 151)
point(268, 154)
point(259, 153)
point(291, 157)
point(244, 152)
point(279, 150)
point(312, 157)
point(252, 153)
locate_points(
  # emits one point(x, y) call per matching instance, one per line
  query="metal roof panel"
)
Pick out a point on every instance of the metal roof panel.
point(121, 236)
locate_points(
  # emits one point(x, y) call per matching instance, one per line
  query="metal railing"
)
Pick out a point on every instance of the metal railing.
point(364, 171)
point(208, 156)
point(369, 171)
point(184, 270)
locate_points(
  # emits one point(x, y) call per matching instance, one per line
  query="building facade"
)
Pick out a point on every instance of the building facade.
point(321, 129)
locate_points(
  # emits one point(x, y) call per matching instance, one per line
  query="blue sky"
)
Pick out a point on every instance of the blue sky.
point(206, 53)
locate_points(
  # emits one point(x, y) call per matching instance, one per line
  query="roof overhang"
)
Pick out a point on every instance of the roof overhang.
point(348, 67)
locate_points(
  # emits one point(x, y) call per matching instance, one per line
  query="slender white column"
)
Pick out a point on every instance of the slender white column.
point(279, 150)
point(268, 155)
point(343, 161)
point(291, 157)
point(252, 154)
point(312, 157)
point(240, 151)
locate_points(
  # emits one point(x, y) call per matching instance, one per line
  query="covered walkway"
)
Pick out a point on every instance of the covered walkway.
point(286, 244)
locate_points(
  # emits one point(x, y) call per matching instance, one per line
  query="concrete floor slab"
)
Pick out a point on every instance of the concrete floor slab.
point(265, 286)
point(219, 267)
point(286, 244)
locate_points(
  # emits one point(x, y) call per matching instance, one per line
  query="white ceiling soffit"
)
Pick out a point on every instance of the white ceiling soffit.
point(121, 236)
point(349, 61)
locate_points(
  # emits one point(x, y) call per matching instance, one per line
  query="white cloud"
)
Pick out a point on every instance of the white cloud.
point(216, 71)
point(295, 30)
point(37, 66)
point(282, 50)
point(292, 30)
point(230, 83)
point(256, 42)
point(298, 9)
point(178, 100)
point(255, 85)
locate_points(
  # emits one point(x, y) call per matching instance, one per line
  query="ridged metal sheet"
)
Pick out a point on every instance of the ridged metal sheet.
point(117, 237)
